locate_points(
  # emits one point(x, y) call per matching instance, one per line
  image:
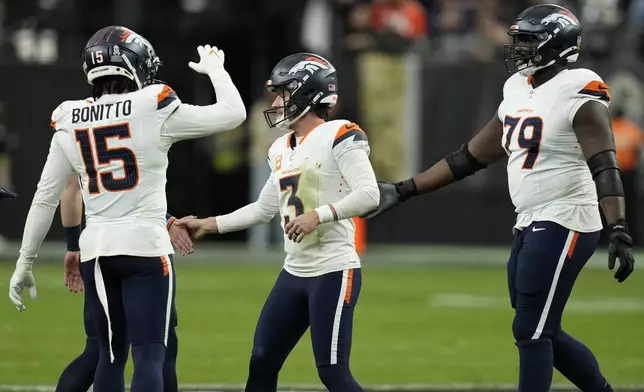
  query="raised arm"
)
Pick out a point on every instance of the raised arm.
point(190, 121)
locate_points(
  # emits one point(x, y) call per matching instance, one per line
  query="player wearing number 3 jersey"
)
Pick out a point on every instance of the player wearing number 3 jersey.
point(118, 142)
point(554, 126)
point(321, 177)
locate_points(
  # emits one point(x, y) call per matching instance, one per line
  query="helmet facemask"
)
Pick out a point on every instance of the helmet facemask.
point(287, 114)
point(531, 52)
point(524, 55)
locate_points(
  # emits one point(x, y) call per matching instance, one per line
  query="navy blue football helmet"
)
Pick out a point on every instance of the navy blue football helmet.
point(310, 81)
point(542, 35)
point(119, 51)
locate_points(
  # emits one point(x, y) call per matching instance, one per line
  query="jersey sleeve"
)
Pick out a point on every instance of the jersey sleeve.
point(167, 101)
point(261, 211)
point(585, 86)
point(357, 171)
point(351, 155)
point(191, 122)
point(43, 206)
point(349, 137)
point(58, 118)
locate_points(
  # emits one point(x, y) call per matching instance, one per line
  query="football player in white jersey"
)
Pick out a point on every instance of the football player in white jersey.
point(117, 141)
point(554, 126)
point(321, 177)
point(78, 375)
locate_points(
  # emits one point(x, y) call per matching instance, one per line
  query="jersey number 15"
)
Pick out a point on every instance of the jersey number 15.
point(532, 144)
point(93, 143)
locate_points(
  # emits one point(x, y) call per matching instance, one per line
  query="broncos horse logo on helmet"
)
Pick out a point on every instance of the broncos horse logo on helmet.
point(119, 51)
point(309, 81)
point(542, 35)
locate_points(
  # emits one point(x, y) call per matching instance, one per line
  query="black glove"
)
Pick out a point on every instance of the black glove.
point(392, 195)
point(7, 194)
point(621, 247)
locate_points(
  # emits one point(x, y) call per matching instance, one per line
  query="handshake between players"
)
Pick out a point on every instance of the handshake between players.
point(295, 229)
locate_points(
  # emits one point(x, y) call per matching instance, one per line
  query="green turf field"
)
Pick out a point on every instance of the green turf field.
point(413, 325)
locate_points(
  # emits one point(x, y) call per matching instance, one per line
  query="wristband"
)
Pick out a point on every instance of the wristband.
point(72, 235)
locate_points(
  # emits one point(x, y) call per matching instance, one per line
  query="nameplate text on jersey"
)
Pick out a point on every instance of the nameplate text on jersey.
point(99, 112)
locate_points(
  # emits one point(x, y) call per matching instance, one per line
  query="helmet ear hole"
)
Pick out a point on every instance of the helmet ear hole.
point(291, 109)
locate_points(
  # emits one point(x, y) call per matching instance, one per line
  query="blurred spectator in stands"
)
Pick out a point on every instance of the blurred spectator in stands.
point(491, 32)
point(471, 29)
point(384, 31)
point(601, 20)
point(453, 24)
point(32, 29)
point(629, 143)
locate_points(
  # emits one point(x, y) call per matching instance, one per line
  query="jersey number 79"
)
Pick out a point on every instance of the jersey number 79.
point(93, 143)
point(532, 144)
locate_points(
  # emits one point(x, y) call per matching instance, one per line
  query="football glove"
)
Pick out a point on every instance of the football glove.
point(211, 60)
point(22, 278)
point(621, 247)
point(392, 195)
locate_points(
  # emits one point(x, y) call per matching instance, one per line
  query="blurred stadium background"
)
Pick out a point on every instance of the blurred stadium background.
point(420, 76)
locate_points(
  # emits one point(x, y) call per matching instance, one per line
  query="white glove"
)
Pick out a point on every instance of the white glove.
point(22, 278)
point(211, 60)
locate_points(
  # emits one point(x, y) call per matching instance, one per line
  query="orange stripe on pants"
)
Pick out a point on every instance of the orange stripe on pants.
point(573, 243)
point(361, 234)
point(164, 263)
point(347, 294)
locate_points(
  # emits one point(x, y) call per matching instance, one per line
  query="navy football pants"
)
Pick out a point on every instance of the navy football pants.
point(78, 376)
point(131, 301)
point(545, 261)
point(325, 304)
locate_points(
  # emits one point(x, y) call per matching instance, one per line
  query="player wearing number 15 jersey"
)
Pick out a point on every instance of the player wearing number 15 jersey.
point(321, 176)
point(118, 142)
point(554, 126)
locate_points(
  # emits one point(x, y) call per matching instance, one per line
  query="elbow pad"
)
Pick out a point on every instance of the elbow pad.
point(606, 174)
point(462, 163)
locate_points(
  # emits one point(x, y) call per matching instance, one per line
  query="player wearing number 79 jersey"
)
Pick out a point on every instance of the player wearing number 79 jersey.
point(118, 142)
point(554, 126)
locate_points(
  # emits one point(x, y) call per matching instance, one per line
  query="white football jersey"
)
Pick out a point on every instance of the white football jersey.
point(307, 176)
point(548, 177)
point(115, 145)
point(118, 145)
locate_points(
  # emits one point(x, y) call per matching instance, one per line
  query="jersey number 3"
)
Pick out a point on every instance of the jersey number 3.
point(106, 155)
point(532, 144)
point(292, 182)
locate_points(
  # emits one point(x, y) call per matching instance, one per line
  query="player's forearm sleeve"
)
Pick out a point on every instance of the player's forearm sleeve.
point(364, 197)
point(43, 207)
point(190, 122)
point(261, 211)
